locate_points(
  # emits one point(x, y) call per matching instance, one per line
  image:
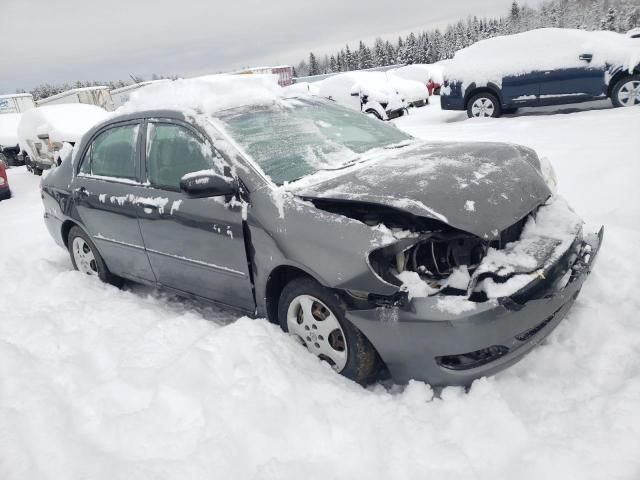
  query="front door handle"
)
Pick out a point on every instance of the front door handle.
point(82, 192)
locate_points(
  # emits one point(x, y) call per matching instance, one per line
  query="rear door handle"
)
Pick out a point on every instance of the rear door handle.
point(144, 204)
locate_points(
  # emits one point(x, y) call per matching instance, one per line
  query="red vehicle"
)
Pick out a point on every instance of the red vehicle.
point(433, 87)
point(5, 192)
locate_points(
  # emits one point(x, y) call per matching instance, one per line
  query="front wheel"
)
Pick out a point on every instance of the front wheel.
point(315, 316)
point(86, 258)
point(484, 105)
point(626, 93)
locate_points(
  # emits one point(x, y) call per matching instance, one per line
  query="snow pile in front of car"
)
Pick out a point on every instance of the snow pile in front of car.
point(545, 238)
point(207, 94)
point(488, 61)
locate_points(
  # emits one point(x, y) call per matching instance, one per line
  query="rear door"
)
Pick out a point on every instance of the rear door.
point(106, 192)
point(195, 245)
point(570, 85)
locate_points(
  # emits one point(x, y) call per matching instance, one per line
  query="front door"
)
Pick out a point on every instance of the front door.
point(105, 192)
point(195, 245)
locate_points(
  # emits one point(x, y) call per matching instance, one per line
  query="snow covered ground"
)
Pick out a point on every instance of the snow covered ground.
point(102, 383)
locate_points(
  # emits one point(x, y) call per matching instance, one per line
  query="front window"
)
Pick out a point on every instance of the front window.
point(173, 151)
point(298, 137)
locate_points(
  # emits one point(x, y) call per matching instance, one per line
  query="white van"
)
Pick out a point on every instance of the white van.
point(121, 95)
point(98, 96)
point(16, 103)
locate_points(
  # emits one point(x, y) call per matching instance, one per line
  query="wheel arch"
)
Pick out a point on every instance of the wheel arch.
point(619, 75)
point(279, 277)
point(490, 88)
point(66, 227)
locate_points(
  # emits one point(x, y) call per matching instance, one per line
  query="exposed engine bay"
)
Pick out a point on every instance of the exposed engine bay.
point(426, 257)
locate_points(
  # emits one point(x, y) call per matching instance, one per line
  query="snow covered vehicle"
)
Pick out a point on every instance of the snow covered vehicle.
point(368, 92)
point(5, 191)
point(549, 66)
point(343, 230)
point(11, 109)
point(98, 96)
point(43, 130)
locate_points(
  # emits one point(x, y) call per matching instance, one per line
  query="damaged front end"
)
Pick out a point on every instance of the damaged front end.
point(534, 252)
point(469, 307)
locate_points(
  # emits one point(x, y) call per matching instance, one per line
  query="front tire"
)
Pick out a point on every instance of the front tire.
point(315, 315)
point(86, 259)
point(626, 92)
point(484, 104)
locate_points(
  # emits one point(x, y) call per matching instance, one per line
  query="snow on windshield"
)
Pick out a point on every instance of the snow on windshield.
point(544, 49)
point(290, 142)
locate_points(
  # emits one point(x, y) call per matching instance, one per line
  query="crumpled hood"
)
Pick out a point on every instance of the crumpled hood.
point(481, 188)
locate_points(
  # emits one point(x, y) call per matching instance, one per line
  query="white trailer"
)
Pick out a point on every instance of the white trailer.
point(16, 103)
point(121, 95)
point(98, 96)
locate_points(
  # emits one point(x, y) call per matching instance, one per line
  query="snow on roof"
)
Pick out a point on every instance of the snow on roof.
point(135, 86)
point(63, 123)
point(543, 49)
point(420, 72)
point(207, 94)
point(71, 92)
point(16, 95)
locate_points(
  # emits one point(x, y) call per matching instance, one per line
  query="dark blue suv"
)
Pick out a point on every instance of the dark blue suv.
point(543, 67)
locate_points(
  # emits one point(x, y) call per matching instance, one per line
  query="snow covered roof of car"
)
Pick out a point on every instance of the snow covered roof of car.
point(65, 123)
point(207, 94)
point(543, 49)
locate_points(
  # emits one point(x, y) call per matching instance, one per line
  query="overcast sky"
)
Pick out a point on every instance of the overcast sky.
point(56, 41)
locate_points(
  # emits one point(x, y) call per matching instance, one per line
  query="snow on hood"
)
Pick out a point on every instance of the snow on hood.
point(9, 129)
point(207, 94)
point(544, 49)
point(63, 123)
point(480, 188)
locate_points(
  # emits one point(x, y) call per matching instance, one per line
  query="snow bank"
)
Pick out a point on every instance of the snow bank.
point(63, 123)
point(207, 94)
point(544, 49)
point(9, 129)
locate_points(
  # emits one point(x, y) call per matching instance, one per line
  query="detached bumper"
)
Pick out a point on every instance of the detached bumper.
point(427, 342)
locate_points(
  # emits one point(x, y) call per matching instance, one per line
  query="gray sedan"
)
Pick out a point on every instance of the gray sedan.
point(432, 261)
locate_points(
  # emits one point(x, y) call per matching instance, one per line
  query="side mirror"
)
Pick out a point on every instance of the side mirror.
point(207, 183)
point(587, 57)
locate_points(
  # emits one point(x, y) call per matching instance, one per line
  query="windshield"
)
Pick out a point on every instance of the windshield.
point(298, 137)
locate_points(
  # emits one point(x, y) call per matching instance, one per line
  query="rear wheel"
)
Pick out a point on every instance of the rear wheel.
point(315, 316)
point(483, 104)
point(626, 93)
point(86, 258)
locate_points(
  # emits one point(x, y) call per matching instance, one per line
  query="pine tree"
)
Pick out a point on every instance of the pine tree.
point(314, 68)
point(609, 21)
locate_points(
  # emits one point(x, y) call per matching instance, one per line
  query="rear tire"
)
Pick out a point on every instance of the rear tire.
point(316, 316)
point(484, 104)
point(86, 259)
point(626, 92)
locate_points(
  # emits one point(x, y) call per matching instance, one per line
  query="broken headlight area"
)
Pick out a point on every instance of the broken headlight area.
point(531, 256)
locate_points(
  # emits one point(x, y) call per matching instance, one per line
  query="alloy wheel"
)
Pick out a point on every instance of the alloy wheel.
point(629, 93)
point(318, 329)
point(84, 257)
point(482, 107)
